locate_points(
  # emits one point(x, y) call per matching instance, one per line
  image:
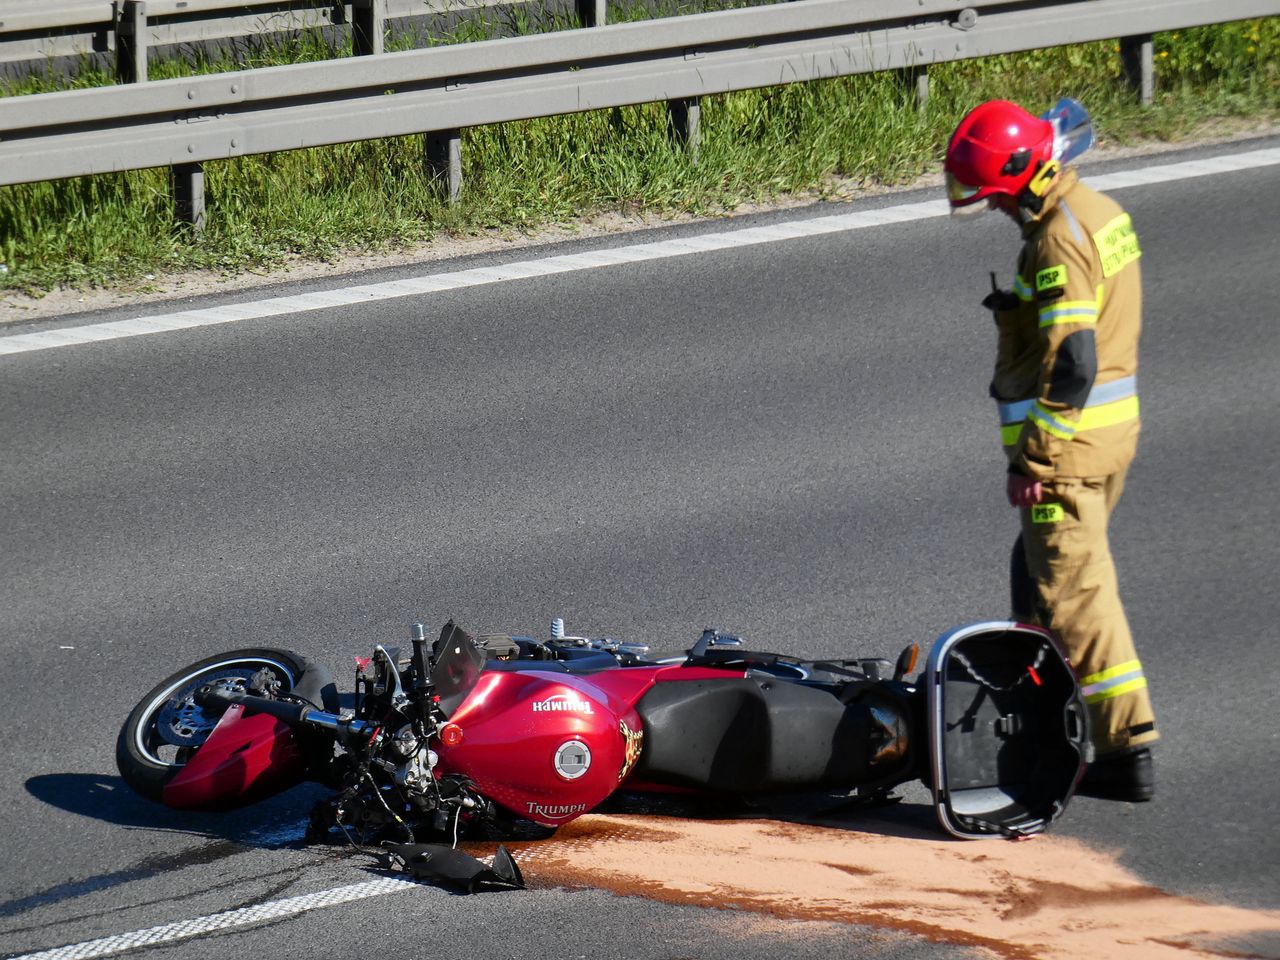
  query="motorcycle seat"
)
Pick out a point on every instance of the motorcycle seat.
point(759, 734)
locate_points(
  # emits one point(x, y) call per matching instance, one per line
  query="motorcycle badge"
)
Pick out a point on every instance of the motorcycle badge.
point(563, 703)
point(561, 811)
point(573, 759)
point(634, 740)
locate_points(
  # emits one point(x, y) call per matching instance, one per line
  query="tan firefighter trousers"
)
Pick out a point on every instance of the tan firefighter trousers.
point(1063, 578)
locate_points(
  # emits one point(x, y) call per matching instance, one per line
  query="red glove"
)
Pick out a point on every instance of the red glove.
point(1023, 491)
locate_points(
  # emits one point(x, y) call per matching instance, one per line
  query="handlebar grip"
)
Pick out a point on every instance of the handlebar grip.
point(214, 697)
point(294, 713)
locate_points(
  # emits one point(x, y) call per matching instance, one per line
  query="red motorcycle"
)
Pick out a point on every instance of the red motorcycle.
point(487, 735)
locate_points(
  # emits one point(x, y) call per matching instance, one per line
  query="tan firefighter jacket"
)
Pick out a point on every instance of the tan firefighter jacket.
point(1067, 354)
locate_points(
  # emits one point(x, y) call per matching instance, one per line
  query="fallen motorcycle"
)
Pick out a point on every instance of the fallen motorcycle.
point(481, 736)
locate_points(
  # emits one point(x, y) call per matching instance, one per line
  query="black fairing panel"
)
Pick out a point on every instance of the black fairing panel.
point(754, 735)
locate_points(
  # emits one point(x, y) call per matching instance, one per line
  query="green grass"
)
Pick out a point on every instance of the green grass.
point(757, 145)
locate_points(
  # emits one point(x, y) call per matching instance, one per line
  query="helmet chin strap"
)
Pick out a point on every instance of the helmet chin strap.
point(1031, 199)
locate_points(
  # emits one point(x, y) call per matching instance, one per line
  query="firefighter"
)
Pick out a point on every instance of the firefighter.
point(1066, 389)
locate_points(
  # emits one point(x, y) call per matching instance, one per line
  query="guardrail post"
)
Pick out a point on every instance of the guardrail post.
point(686, 124)
point(916, 79)
point(187, 181)
point(1136, 54)
point(131, 41)
point(368, 27)
point(592, 13)
point(444, 161)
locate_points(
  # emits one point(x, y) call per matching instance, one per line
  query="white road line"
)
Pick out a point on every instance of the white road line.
point(243, 917)
point(635, 253)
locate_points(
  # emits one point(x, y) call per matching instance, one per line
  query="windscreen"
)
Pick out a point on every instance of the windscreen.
point(458, 660)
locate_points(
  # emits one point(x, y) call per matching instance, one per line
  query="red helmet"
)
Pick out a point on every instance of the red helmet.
point(998, 148)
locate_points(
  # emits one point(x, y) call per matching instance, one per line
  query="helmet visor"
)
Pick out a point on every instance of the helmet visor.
point(964, 198)
point(960, 193)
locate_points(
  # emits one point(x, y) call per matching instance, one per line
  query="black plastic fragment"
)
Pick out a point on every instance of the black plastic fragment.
point(438, 863)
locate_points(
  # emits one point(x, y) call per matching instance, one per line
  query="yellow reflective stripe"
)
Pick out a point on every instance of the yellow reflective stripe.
point(1049, 426)
point(1127, 667)
point(1048, 422)
point(1074, 304)
point(1113, 682)
point(1021, 289)
point(1117, 245)
point(1120, 690)
point(1079, 316)
point(1108, 414)
point(1069, 311)
point(1091, 304)
point(1091, 418)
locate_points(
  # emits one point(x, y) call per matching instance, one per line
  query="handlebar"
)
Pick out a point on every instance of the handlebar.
point(293, 713)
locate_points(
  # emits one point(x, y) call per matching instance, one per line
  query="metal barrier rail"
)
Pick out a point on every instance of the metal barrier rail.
point(40, 30)
point(187, 121)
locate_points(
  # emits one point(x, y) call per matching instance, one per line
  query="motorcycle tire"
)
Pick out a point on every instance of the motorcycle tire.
point(167, 726)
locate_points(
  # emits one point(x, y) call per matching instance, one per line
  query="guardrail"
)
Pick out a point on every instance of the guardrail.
point(42, 29)
point(185, 122)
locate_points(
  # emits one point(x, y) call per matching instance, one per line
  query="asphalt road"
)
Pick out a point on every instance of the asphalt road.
point(791, 441)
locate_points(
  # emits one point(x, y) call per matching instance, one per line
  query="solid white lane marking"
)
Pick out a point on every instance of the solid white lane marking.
point(635, 253)
point(243, 917)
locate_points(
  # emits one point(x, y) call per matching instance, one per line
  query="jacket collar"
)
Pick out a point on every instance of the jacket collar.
point(1063, 185)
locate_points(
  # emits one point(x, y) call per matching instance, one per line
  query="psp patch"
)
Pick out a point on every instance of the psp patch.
point(1051, 277)
point(1047, 513)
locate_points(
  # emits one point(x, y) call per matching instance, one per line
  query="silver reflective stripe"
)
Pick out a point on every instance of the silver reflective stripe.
point(1071, 220)
point(1014, 412)
point(1120, 389)
point(1111, 683)
point(1017, 410)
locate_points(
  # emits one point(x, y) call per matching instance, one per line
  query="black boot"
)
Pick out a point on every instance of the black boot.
point(1127, 776)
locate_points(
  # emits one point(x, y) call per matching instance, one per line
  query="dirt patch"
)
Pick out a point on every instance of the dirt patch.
point(1048, 899)
point(155, 289)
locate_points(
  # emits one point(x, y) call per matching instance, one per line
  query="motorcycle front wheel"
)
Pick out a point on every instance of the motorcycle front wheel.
point(168, 726)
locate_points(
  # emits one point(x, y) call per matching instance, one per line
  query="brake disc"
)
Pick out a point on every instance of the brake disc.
point(183, 722)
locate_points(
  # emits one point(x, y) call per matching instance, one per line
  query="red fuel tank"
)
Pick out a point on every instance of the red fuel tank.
point(574, 741)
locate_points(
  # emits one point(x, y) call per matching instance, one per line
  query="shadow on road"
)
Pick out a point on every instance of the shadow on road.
point(280, 822)
point(910, 821)
point(277, 822)
point(108, 799)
